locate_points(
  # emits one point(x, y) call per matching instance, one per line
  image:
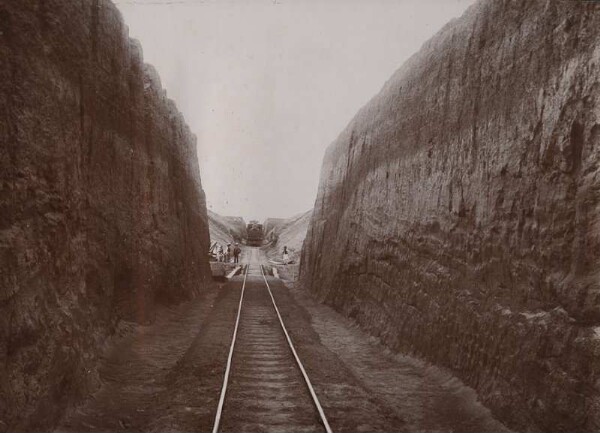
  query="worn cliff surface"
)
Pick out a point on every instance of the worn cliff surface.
point(458, 215)
point(102, 213)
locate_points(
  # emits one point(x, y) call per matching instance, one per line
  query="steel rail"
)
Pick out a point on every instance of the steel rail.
point(229, 359)
point(298, 362)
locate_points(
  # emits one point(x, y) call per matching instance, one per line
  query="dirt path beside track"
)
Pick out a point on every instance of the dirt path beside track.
point(168, 376)
point(424, 397)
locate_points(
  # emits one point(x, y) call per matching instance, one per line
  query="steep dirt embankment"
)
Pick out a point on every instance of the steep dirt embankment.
point(225, 229)
point(271, 225)
point(458, 215)
point(102, 213)
point(288, 232)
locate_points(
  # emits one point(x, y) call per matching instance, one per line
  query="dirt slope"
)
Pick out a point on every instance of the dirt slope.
point(288, 232)
point(225, 229)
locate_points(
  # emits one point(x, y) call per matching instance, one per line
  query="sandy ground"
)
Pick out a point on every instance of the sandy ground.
point(137, 370)
point(167, 377)
point(424, 397)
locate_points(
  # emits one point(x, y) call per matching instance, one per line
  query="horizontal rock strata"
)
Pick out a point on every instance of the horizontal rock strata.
point(102, 213)
point(458, 215)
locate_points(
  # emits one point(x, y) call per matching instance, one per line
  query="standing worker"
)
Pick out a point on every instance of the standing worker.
point(236, 253)
point(286, 256)
point(228, 254)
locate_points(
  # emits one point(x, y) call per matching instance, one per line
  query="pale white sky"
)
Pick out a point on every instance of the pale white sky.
point(267, 85)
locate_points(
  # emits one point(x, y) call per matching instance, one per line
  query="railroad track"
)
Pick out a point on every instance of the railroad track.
point(265, 386)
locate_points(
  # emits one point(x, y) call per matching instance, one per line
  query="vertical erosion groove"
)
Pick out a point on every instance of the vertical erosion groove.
point(80, 171)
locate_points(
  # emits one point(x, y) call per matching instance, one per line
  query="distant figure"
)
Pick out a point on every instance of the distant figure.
point(286, 256)
point(236, 253)
point(220, 253)
point(228, 253)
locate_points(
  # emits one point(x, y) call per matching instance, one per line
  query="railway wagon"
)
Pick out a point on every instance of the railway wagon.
point(255, 234)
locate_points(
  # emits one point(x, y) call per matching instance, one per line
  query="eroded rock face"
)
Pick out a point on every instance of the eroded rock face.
point(458, 215)
point(102, 213)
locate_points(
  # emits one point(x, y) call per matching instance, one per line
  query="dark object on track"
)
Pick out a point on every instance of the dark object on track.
point(255, 234)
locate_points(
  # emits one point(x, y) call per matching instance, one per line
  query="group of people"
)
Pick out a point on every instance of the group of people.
point(229, 253)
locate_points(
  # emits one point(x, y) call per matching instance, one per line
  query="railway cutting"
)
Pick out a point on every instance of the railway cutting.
point(265, 386)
